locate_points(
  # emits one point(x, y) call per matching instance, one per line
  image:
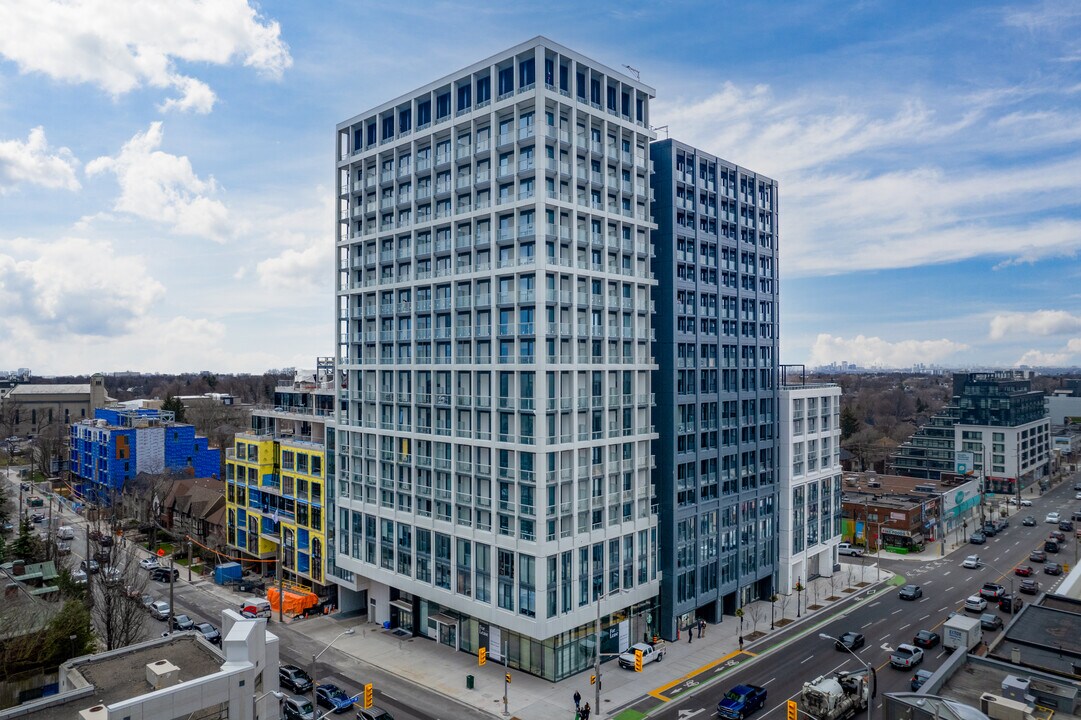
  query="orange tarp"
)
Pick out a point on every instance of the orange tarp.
point(295, 602)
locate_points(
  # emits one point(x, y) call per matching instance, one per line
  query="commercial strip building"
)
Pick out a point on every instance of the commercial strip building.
point(493, 303)
point(810, 491)
point(277, 483)
point(181, 675)
point(716, 383)
point(110, 450)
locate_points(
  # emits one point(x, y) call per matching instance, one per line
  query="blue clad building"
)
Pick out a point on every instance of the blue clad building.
point(119, 443)
point(716, 383)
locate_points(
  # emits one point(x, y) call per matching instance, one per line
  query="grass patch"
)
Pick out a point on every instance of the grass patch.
point(896, 580)
point(629, 714)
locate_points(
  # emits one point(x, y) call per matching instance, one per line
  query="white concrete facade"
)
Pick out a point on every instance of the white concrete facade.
point(1021, 452)
point(809, 493)
point(493, 303)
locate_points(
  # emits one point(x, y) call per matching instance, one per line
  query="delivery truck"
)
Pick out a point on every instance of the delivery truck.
point(961, 632)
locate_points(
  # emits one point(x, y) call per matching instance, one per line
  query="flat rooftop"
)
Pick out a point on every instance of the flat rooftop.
point(1047, 636)
point(122, 676)
point(973, 679)
point(50, 390)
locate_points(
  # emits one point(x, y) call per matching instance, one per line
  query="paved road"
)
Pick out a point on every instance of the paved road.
point(883, 618)
point(403, 699)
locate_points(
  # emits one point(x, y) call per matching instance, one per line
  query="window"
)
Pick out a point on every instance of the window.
point(505, 568)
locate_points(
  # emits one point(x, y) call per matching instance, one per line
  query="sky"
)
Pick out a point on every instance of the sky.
point(167, 169)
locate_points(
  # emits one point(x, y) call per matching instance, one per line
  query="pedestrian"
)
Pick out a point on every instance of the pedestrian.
point(586, 711)
point(741, 643)
point(690, 632)
point(701, 628)
point(577, 701)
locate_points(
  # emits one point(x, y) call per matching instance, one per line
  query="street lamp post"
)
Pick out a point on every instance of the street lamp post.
point(868, 668)
point(315, 656)
point(255, 701)
point(601, 595)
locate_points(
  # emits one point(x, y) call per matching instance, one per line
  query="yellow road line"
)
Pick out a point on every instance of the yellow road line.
point(659, 692)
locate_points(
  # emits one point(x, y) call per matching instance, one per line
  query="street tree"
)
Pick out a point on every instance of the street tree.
point(118, 613)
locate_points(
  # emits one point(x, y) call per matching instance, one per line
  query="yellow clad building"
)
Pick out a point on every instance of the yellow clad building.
point(276, 485)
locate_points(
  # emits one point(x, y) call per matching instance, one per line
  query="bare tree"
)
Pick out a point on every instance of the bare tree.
point(785, 599)
point(835, 578)
point(118, 612)
point(812, 585)
point(754, 612)
point(9, 413)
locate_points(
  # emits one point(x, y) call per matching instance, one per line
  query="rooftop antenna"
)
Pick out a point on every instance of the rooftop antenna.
point(637, 75)
point(658, 128)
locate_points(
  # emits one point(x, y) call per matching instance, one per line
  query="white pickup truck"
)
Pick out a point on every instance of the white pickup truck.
point(649, 654)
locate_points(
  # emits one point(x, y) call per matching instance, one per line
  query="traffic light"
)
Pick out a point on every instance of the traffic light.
point(507, 676)
point(638, 661)
point(592, 679)
point(482, 656)
point(367, 696)
point(793, 711)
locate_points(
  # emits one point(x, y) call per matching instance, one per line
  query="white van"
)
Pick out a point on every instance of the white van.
point(65, 532)
point(256, 608)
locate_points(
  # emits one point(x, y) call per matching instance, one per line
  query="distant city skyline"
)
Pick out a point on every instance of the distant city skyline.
point(164, 188)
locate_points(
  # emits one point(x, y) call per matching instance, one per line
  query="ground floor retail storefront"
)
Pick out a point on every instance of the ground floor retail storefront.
point(553, 658)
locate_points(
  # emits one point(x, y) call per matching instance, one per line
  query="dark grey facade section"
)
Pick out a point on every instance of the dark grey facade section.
point(716, 383)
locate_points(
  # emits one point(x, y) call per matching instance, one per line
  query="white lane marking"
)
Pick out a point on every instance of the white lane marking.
point(905, 626)
point(807, 660)
point(940, 655)
point(923, 618)
point(946, 573)
point(950, 588)
point(897, 611)
point(769, 681)
point(943, 608)
point(876, 602)
point(884, 637)
point(864, 627)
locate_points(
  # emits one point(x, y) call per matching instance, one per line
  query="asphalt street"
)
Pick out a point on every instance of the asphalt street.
point(785, 661)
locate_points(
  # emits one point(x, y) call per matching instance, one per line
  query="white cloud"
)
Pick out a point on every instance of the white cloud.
point(74, 286)
point(157, 186)
point(34, 162)
point(1040, 322)
point(1039, 358)
point(297, 269)
point(876, 352)
point(305, 263)
point(123, 45)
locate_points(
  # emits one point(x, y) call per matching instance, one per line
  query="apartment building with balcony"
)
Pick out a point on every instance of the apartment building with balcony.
point(716, 383)
point(810, 482)
point(278, 484)
point(493, 271)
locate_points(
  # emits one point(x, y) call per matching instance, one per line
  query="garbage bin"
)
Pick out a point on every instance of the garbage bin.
point(468, 682)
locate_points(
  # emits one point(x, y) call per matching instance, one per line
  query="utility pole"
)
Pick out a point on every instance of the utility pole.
point(189, 559)
point(597, 657)
point(281, 571)
point(86, 535)
point(172, 582)
point(506, 680)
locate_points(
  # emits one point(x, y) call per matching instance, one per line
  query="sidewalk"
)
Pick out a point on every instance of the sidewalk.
point(444, 670)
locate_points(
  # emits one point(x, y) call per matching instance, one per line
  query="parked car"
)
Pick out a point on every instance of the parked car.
point(1029, 587)
point(971, 562)
point(1038, 556)
point(292, 677)
point(78, 577)
point(989, 529)
point(147, 601)
point(181, 622)
point(990, 621)
point(334, 698)
point(164, 574)
point(906, 656)
point(1009, 604)
point(992, 591)
point(112, 575)
point(849, 549)
point(1023, 570)
point(926, 639)
point(975, 603)
point(1052, 568)
point(977, 538)
point(211, 633)
point(295, 707)
point(37, 517)
point(850, 640)
point(1029, 521)
point(89, 566)
point(1052, 517)
point(919, 679)
point(1025, 502)
point(910, 592)
point(149, 563)
point(63, 548)
point(160, 609)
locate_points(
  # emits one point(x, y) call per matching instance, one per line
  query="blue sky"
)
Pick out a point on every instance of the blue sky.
point(166, 169)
